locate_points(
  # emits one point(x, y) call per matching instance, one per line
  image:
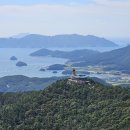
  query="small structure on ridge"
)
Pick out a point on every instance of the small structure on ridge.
point(78, 79)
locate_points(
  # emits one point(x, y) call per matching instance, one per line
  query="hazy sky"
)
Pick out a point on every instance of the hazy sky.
point(107, 18)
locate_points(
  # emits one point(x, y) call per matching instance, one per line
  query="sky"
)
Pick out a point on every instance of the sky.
point(105, 18)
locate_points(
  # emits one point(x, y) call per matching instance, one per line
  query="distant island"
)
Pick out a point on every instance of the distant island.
point(70, 40)
point(56, 67)
point(13, 58)
point(55, 72)
point(21, 64)
point(72, 55)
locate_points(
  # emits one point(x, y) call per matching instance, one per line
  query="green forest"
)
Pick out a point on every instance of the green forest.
point(63, 106)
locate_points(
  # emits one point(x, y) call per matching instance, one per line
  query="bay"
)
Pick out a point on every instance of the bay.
point(8, 67)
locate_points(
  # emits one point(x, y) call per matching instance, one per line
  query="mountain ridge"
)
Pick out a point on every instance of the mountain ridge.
point(118, 59)
point(68, 40)
point(20, 83)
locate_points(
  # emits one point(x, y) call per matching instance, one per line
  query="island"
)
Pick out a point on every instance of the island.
point(56, 67)
point(13, 58)
point(42, 69)
point(54, 72)
point(21, 64)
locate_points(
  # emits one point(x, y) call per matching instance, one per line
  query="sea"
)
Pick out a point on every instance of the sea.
point(34, 64)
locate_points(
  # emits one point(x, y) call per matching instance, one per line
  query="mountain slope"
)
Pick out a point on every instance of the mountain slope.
point(118, 59)
point(72, 55)
point(20, 83)
point(67, 107)
point(40, 41)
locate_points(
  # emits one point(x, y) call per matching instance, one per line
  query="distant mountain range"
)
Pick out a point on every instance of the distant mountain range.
point(118, 59)
point(40, 41)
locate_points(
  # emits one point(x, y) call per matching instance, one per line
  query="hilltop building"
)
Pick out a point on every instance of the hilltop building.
point(78, 79)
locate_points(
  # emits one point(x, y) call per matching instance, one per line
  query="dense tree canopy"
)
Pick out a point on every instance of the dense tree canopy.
point(67, 107)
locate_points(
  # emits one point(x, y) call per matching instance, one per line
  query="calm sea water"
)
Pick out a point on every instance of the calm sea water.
point(8, 67)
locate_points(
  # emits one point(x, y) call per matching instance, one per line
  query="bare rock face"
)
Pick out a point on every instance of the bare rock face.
point(21, 64)
point(13, 58)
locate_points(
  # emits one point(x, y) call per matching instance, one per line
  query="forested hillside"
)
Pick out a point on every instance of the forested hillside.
point(67, 107)
point(118, 59)
point(71, 55)
point(20, 83)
